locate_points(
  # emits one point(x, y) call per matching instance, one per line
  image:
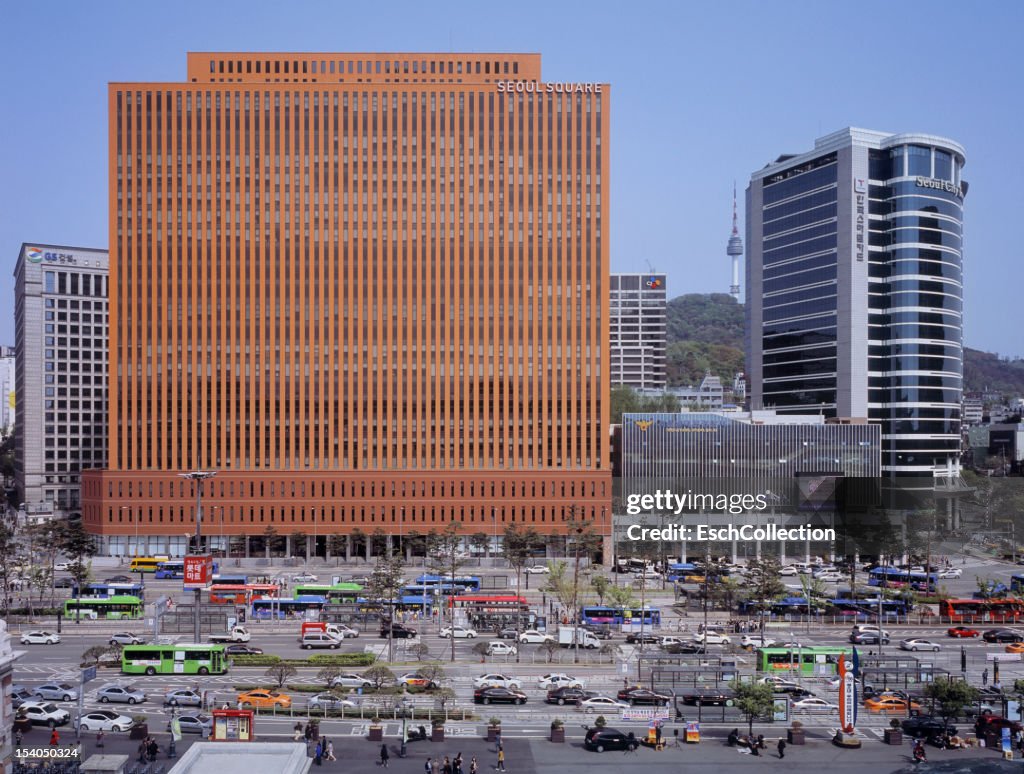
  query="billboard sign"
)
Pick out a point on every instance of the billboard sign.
point(198, 571)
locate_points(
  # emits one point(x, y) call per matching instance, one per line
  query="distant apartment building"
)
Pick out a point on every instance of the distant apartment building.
point(638, 330)
point(7, 391)
point(61, 335)
point(854, 290)
point(973, 410)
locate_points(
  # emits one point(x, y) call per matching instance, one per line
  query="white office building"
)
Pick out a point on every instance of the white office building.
point(637, 352)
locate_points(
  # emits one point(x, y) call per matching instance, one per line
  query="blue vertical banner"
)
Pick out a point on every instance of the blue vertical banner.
point(1006, 739)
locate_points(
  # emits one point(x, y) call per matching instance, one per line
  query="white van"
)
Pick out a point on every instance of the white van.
point(311, 640)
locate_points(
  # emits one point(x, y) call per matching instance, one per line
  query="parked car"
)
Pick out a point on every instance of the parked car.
point(534, 637)
point(40, 637)
point(496, 679)
point(926, 726)
point(633, 696)
point(499, 648)
point(183, 697)
point(105, 720)
point(238, 649)
point(328, 701)
point(263, 698)
point(498, 695)
point(601, 704)
point(1002, 635)
point(56, 692)
point(123, 693)
point(350, 680)
point(919, 643)
point(963, 631)
point(44, 713)
point(568, 695)
point(126, 638)
point(601, 739)
point(458, 632)
point(194, 724)
point(554, 680)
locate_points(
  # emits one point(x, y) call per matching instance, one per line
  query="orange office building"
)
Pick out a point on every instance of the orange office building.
point(370, 291)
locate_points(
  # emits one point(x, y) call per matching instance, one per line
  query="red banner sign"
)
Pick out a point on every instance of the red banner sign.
point(198, 571)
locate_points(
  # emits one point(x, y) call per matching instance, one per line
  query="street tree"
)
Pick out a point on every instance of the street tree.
point(9, 559)
point(379, 676)
point(299, 543)
point(359, 542)
point(327, 674)
point(433, 672)
point(481, 649)
point(481, 543)
point(620, 596)
point(336, 546)
point(383, 588)
point(269, 540)
point(754, 700)
point(445, 557)
point(951, 696)
point(517, 548)
point(600, 585)
point(419, 650)
point(280, 673)
point(765, 586)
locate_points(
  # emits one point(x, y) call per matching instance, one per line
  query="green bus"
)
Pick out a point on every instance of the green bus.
point(339, 592)
point(174, 659)
point(809, 661)
point(113, 608)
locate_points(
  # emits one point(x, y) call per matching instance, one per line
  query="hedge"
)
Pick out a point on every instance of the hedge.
point(335, 659)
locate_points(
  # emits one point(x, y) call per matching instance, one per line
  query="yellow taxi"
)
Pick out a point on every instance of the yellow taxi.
point(889, 704)
point(263, 698)
point(1015, 647)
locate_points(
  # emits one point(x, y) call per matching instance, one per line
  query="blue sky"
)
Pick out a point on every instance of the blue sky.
point(702, 94)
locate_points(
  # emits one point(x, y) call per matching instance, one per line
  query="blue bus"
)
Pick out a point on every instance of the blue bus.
point(867, 609)
point(604, 615)
point(108, 590)
point(307, 607)
point(445, 582)
point(680, 571)
point(174, 569)
point(894, 576)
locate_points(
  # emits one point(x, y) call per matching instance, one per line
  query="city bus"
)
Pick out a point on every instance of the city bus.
point(230, 580)
point(112, 590)
point(339, 592)
point(982, 610)
point(810, 661)
point(683, 571)
point(174, 569)
point(243, 594)
point(147, 563)
point(174, 659)
point(1017, 583)
point(112, 608)
point(464, 582)
point(867, 609)
point(609, 616)
point(308, 607)
point(895, 577)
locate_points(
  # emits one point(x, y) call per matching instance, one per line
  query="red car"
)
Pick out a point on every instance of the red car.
point(963, 631)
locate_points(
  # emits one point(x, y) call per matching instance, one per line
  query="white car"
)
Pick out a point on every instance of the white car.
point(345, 631)
point(756, 641)
point(538, 569)
point(789, 569)
point(814, 704)
point(499, 648)
point(712, 638)
point(534, 637)
point(350, 680)
point(558, 680)
point(305, 577)
point(602, 704)
point(779, 683)
point(40, 638)
point(105, 720)
point(493, 679)
point(666, 641)
point(458, 632)
point(62, 566)
point(830, 577)
point(917, 643)
point(44, 714)
point(951, 573)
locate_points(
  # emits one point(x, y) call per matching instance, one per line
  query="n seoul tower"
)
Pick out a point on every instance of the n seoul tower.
point(734, 250)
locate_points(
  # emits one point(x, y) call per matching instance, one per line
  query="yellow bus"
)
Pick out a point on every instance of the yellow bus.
point(146, 563)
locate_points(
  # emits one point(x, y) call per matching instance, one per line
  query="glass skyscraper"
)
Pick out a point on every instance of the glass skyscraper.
point(855, 293)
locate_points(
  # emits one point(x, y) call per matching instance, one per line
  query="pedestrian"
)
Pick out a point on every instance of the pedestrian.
point(54, 738)
point(99, 739)
point(428, 766)
point(435, 766)
point(330, 751)
point(308, 732)
point(298, 732)
point(457, 764)
point(984, 677)
point(17, 738)
point(473, 765)
point(153, 749)
point(318, 754)
point(384, 755)
point(142, 751)
point(446, 767)
point(501, 759)
point(497, 738)
point(782, 749)
point(753, 747)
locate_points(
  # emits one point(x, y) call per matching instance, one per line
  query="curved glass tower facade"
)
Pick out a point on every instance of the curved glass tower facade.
point(855, 287)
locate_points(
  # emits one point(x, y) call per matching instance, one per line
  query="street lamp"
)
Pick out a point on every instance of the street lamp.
point(198, 476)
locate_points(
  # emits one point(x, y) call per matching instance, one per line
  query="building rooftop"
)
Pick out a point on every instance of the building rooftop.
point(244, 758)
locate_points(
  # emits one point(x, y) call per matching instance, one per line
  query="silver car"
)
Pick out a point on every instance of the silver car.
point(328, 701)
point(183, 697)
point(56, 692)
point(194, 724)
point(123, 693)
point(350, 680)
point(126, 638)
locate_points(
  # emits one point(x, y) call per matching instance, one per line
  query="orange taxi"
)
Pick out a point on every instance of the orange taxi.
point(1015, 647)
point(889, 704)
point(264, 699)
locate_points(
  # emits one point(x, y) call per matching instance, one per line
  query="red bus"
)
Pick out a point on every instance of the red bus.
point(982, 610)
point(237, 594)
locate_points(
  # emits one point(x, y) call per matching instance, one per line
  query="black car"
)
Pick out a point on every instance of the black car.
point(508, 634)
point(926, 726)
point(497, 695)
point(242, 650)
point(868, 638)
point(398, 631)
point(63, 583)
point(678, 648)
point(567, 695)
point(601, 632)
point(643, 696)
point(601, 739)
point(1002, 635)
point(635, 638)
point(709, 699)
point(119, 579)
